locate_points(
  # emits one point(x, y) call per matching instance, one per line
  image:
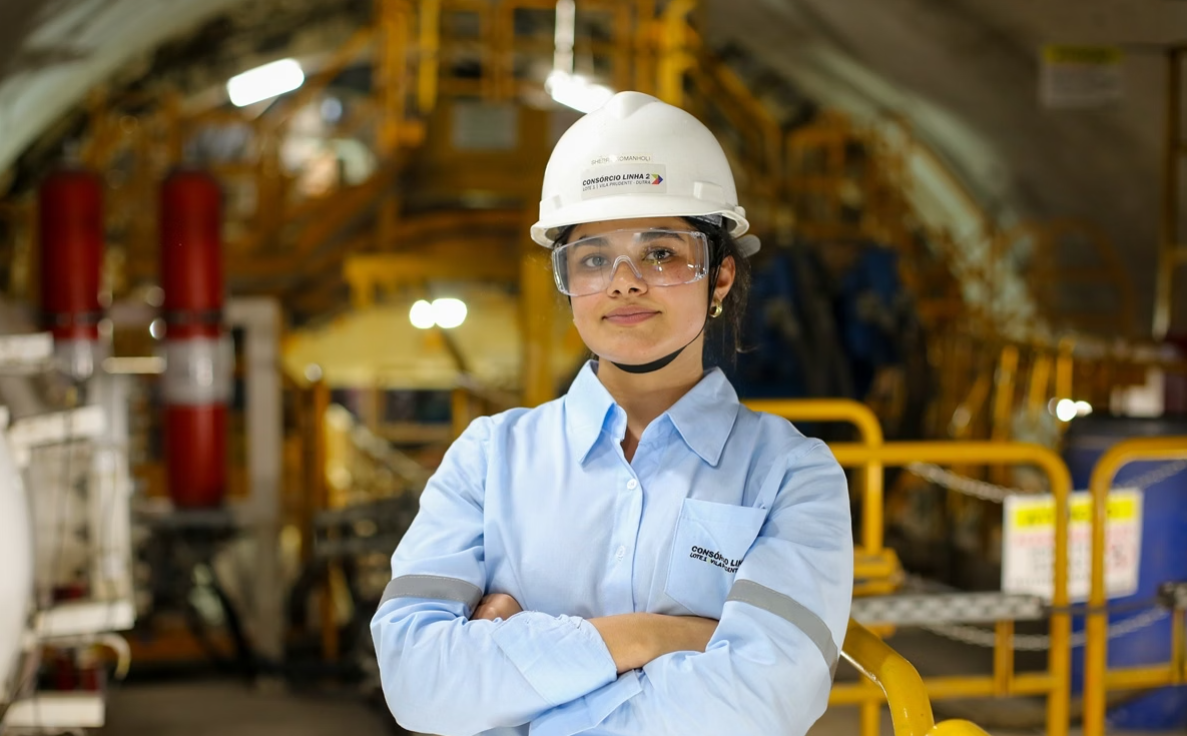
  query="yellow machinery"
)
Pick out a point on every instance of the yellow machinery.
point(294, 236)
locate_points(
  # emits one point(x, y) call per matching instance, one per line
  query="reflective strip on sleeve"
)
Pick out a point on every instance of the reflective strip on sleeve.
point(433, 587)
point(760, 596)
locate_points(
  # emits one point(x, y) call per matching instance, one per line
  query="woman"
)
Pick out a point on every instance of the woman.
point(643, 556)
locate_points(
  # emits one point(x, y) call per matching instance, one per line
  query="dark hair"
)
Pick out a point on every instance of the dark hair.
point(723, 336)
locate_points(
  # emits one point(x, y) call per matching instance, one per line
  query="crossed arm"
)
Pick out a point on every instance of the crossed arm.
point(633, 639)
point(455, 663)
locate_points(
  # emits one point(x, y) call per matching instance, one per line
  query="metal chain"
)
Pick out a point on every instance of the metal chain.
point(1156, 475)
point(961, 484)
point(997, 494)
point(979, 637)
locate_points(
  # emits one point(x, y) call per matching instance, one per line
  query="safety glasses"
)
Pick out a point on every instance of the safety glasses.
point(657, 257)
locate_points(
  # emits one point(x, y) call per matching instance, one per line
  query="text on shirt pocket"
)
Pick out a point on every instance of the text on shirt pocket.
point(710, 541)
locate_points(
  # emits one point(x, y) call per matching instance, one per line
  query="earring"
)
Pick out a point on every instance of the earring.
point(716, 310)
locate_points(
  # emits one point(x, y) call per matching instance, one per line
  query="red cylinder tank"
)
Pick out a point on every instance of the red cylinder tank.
point(71, 234)
point(196, 383)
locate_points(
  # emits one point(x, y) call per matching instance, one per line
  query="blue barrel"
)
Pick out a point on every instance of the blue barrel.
point(1164, 559)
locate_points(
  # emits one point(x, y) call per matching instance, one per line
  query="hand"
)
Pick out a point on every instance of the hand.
point(496, 605)
point(634, 639)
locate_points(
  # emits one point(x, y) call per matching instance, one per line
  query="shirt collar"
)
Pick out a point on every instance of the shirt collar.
point(704, 416)
point(587, 405)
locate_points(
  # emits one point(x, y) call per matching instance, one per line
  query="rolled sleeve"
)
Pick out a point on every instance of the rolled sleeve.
point(562, 657)
point(585, 713)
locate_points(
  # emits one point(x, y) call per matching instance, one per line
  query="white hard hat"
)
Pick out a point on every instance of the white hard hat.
point(636, 157)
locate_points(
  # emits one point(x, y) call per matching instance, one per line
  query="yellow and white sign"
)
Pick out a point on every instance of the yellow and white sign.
point(1080, 76)
point(1028, 544)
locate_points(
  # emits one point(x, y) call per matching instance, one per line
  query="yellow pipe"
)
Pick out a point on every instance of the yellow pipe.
point(461, 411)
point(910, 710)
point(949, 688)
point(675, 59)
point(1137, 678)
point(1003, 658)
point(1003, 398)
point(855, 694)
point(870, 431)
point(1096, 646)
point(871, 718)
point(1040, 378)
point(903, 453)
point(957, 727)
point(430, 44)
point(1179, 646)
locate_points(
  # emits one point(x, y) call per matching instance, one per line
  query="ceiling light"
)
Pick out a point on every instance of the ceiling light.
point(421, 315)
point(265, 82)
point(1065, 410)
point(577, 92)
point(449, 313)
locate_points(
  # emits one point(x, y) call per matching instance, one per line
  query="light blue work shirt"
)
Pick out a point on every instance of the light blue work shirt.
point(723, 513)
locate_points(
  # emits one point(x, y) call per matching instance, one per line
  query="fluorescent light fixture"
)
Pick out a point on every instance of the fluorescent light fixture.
point(421, 315)
point(577, 92)
point(265, 82)
point(449, 313)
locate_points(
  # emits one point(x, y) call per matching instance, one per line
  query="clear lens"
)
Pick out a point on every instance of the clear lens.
point(658, 257)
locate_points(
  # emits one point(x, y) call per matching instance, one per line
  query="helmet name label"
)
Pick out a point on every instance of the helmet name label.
point(621, 158)
point(638, 178)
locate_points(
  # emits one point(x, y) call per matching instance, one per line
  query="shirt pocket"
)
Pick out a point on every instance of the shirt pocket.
point(710, 541)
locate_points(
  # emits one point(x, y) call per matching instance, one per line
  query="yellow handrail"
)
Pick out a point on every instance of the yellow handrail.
point(957, 727)
point(901, 685)
point(910, 710)
point(1097, 644)
point(1055, 682)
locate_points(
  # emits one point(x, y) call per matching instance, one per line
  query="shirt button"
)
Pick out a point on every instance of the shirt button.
point(621, 552)
point(632, 484)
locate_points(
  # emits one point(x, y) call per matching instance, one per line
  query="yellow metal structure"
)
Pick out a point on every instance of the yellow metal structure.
point(1172, 252)
point(893, 678)
point(1054, 683)
point(1097, 678)
point(1098, 275)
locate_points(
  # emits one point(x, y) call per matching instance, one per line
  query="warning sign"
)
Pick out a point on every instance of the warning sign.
point(641, 178)
point(1028, 544)
point(1080, 76)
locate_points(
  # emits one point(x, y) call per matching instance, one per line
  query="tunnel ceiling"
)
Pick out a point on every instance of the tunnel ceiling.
point(963, 72)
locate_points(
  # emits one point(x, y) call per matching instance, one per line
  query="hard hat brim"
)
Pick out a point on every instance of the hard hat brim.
point(633, 206)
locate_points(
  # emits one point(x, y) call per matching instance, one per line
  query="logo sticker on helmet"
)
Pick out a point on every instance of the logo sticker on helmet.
point(624, 179)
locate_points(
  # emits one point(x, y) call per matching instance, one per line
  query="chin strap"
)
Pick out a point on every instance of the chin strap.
point(663, 362)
